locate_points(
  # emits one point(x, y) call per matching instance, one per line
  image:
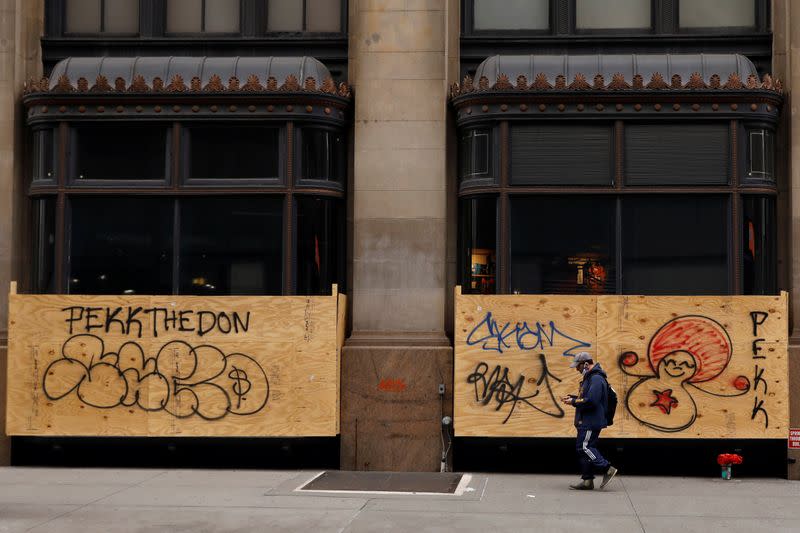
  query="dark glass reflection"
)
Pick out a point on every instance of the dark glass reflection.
point(323, 153)
point(121, 246)
point(231, 245)
point(562, 245)
point(44, 155)
point(675, 245)
point(758, 245)
point(479, 245)
point(233, 152)
point(320, 245)
point(119, 152)
point(474, 154)
point(761, 155)
point(44, 240)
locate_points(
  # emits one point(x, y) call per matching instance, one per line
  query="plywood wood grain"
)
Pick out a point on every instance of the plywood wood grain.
point(683, 367)
point(177, 366)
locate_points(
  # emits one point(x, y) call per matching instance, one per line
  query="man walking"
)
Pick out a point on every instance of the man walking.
point(590, 418)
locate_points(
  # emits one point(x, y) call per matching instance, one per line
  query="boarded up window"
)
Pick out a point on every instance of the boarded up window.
point(677, 154)
point(561, 154)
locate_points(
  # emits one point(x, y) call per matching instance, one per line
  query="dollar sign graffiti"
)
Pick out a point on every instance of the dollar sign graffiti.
point(241, 385)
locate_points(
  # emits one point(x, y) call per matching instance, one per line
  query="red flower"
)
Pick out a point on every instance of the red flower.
point(725, 459)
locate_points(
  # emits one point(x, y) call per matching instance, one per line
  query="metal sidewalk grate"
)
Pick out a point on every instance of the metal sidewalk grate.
point(388, 482)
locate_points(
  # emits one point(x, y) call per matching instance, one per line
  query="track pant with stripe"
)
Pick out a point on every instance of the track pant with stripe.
point(591, 460)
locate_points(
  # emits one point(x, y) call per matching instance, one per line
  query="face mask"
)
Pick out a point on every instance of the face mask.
point(585, 369)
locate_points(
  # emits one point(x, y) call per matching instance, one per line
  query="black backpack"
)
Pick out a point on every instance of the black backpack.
point(611, 404)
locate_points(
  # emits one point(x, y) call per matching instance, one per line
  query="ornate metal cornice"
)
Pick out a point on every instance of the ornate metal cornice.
point(581, 84)
point(177, 85)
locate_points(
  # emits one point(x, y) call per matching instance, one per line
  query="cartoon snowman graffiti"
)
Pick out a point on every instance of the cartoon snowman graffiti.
point(684, 353)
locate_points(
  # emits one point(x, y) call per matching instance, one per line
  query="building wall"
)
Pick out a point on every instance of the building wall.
point(786, 66)
point(21, 25)
point(403, 56)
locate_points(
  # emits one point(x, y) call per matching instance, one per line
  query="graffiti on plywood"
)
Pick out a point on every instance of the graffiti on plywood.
point(181, 379)
point(683, 356)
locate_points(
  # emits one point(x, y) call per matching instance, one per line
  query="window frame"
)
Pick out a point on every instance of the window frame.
point(304, 30)
point(664, 15)
point(748, 178)
point(184, 173)
point(468, 22)
point(62, 19)
point(243, 4)
point(63, 190)
point(492, 175)
point(38, 156)
point(761, 22)
point(153, 25)
point(504, 191)
point(71, 149)
point(656, 15)
point(303, 182)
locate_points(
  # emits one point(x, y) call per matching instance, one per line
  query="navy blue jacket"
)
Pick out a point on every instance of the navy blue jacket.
point(590, 406)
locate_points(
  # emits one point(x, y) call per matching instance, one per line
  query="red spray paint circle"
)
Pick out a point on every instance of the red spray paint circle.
point(703, 337)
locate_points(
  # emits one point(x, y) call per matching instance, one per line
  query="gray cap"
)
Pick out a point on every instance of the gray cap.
point(579, 358)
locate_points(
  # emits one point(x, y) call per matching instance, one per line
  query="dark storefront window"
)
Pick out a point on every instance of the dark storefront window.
point(758, 245)
point(684, 218)
point(44, 242)
point(544, 154)
point(674, 154)
point(101, 16)
point(562, 245)
point(120, 245)
point(236, 225)
point(479, 245)
point(230, 245)
point(320, 240)
point(675, 245)
point(323, 156)
point(761, 154)
point(105, 152)
point(203, 16)
point(44, 155)
point(475, 154)
point(250, 152)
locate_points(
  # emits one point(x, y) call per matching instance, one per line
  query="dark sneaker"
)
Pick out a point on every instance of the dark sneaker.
point(585, 484)
point(608, 476)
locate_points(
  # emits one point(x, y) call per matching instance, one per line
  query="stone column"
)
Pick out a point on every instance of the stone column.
point(786, 67)
point(21, 25)
point(403, 56)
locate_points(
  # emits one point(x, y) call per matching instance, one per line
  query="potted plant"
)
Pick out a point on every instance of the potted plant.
point(726, 460)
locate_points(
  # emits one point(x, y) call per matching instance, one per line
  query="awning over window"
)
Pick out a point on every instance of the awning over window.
point(209, 74)
point(721, 85)
point(616, 72)
point(91, 87)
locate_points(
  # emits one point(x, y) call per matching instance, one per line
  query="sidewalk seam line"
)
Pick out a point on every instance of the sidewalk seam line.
point(633, 507)
point(352, 519)
point(87, 504)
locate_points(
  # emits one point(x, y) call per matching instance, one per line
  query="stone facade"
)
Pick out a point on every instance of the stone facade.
point(402, 223)
point(21, 25)
point(786, 66)
point(403, 56)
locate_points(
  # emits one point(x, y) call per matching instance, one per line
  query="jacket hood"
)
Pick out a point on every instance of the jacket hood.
point(597, 369)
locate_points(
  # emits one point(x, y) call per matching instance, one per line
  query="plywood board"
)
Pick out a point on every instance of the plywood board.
point(683, 367)
point(173, 366)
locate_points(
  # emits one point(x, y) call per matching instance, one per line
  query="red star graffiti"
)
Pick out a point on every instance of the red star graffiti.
point(664, 401)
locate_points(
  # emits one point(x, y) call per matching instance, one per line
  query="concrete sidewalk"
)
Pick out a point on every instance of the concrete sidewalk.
point(103, 500)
